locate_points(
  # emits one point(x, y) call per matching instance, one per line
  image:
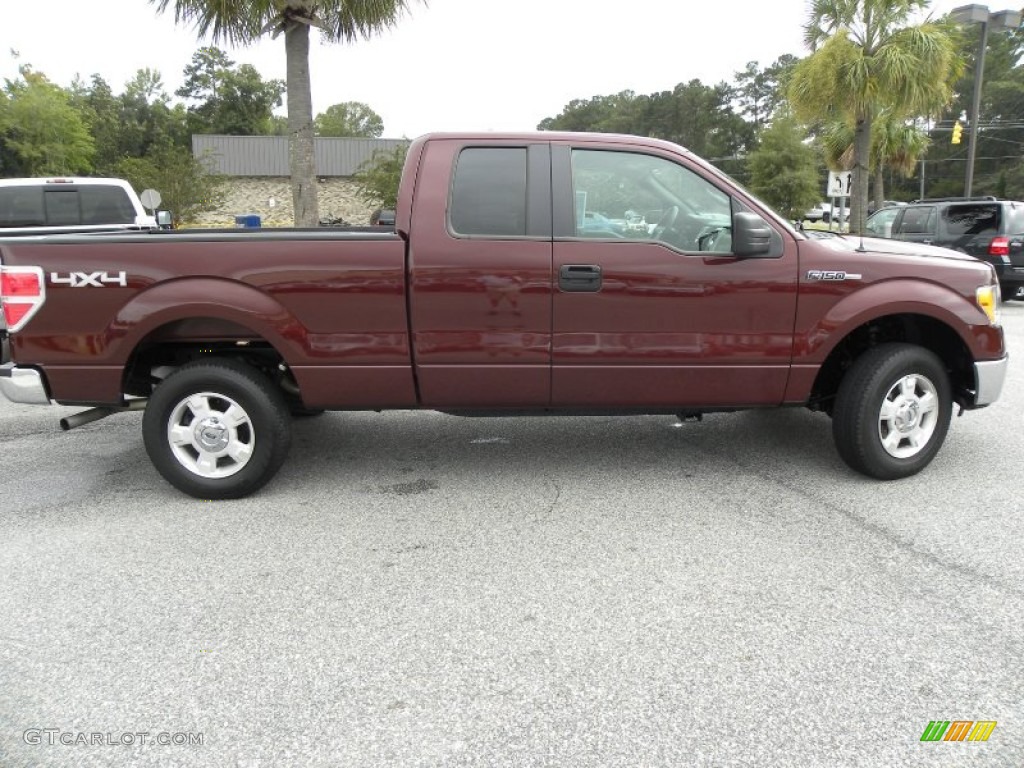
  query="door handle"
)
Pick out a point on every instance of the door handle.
point(578, 278)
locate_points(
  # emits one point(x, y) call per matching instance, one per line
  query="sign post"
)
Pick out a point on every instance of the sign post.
point(840, 183)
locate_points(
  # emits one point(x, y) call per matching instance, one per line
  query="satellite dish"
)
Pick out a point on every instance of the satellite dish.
point(150, 198)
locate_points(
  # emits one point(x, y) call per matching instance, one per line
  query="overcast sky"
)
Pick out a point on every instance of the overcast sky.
point(453, 65)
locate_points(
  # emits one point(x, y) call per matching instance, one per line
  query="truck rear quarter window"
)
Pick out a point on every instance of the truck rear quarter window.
point(489, 192)
point(972, 219)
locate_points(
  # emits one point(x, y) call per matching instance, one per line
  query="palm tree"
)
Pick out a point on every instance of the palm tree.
point(243, 21)
point(865, 59)
point(895, 144)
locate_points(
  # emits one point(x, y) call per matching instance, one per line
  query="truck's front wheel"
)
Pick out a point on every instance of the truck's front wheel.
point(217, 429)
point(892, 411)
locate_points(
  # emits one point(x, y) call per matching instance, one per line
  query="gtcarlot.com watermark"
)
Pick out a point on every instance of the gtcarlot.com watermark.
point(55, 736)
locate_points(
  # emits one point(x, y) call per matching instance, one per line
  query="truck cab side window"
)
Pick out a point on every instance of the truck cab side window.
point(627, 195)
point(918, 220)
point(489, 192)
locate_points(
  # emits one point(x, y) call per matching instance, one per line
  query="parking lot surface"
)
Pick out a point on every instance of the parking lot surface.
point(415, 589)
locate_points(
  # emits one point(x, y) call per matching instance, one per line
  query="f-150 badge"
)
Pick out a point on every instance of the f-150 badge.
point(89, 279)
point(831, 276)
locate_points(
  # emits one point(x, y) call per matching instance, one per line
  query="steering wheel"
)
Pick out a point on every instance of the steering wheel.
point(668, 218)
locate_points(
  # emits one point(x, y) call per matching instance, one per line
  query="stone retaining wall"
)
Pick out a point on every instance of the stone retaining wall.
point(271, 199)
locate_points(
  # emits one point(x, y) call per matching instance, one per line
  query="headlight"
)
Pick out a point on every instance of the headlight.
point(988, 298)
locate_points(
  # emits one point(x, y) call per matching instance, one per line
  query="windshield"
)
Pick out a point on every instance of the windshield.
point(64, 206)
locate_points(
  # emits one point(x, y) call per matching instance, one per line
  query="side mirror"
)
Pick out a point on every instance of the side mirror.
point(165, 220)
point(751, 235)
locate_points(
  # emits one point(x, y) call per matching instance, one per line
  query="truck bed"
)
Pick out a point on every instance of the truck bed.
point(324, 298)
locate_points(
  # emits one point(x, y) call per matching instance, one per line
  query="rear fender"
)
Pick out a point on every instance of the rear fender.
point(220, 299)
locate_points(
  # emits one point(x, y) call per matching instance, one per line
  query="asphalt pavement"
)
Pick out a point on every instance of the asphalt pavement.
point(416, 589)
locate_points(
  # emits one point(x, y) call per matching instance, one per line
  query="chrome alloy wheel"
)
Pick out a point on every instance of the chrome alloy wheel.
point(908, 416)
point(210, 435)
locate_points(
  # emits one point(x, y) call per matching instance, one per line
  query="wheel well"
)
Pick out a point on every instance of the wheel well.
point(173, 345)
point(924, 331)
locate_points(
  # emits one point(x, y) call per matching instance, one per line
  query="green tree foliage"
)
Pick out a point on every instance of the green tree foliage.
point(783, 169)
point(377, 179)
point(350, 118)
point(204, 75)
point(245, 21)
point(617, 113)
point(697, 116)
point(1001, 139)
point(41, 132)
point(186, 184)
point(148, 119)
point(100, 110)
point(896, 145)
point(867, 59)
point(760, 92)
point(227, 98)
point(128, 124)
point(246, 103)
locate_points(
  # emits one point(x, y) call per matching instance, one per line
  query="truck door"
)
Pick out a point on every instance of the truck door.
point(480, 276)
point(651, 308)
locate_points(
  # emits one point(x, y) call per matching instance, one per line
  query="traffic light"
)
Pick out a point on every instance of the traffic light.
point(957, 130)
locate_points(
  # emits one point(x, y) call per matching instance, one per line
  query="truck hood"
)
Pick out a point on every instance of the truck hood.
point(885, 247)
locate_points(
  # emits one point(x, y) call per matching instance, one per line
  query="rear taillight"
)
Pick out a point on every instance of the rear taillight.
point(22, 293)
point(1000, 246)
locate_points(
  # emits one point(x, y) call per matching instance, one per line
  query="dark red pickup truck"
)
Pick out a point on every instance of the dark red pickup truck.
point(573, 273)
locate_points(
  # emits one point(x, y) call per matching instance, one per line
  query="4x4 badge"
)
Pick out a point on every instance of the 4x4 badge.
point(86, 279)
point(832, 276)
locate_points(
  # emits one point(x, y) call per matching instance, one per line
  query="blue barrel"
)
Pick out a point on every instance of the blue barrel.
point(248, 220)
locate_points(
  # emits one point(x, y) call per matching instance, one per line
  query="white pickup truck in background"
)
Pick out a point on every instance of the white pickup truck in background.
point(67, 205)
point(58, 206)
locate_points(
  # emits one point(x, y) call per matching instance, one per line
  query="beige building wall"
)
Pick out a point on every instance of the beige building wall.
point(271, 198)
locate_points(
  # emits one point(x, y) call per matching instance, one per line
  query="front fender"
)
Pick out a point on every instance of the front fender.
point(892, 297)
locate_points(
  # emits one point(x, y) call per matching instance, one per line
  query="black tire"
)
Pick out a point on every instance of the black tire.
point(1013, 293)
point(299, 412)
point(238, 459)
point(859, 431)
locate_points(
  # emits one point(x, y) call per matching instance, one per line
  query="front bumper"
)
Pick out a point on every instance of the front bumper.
point(23, 385)
point(989, 377)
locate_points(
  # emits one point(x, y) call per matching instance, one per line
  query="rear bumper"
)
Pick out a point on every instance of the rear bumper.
point(989, 377)
point(23, 385)
point(1009, 274)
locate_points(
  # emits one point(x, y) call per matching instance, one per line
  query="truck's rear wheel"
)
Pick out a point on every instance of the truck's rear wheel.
point(217, 429)
point(892, 411)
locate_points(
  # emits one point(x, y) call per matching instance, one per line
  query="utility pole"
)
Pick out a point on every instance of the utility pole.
point(995, 22)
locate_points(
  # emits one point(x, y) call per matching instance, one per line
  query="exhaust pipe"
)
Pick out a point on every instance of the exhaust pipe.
point(95, 414)
point(78, 419)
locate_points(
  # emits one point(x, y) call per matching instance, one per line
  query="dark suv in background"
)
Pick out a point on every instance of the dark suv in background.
point(988, 229)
